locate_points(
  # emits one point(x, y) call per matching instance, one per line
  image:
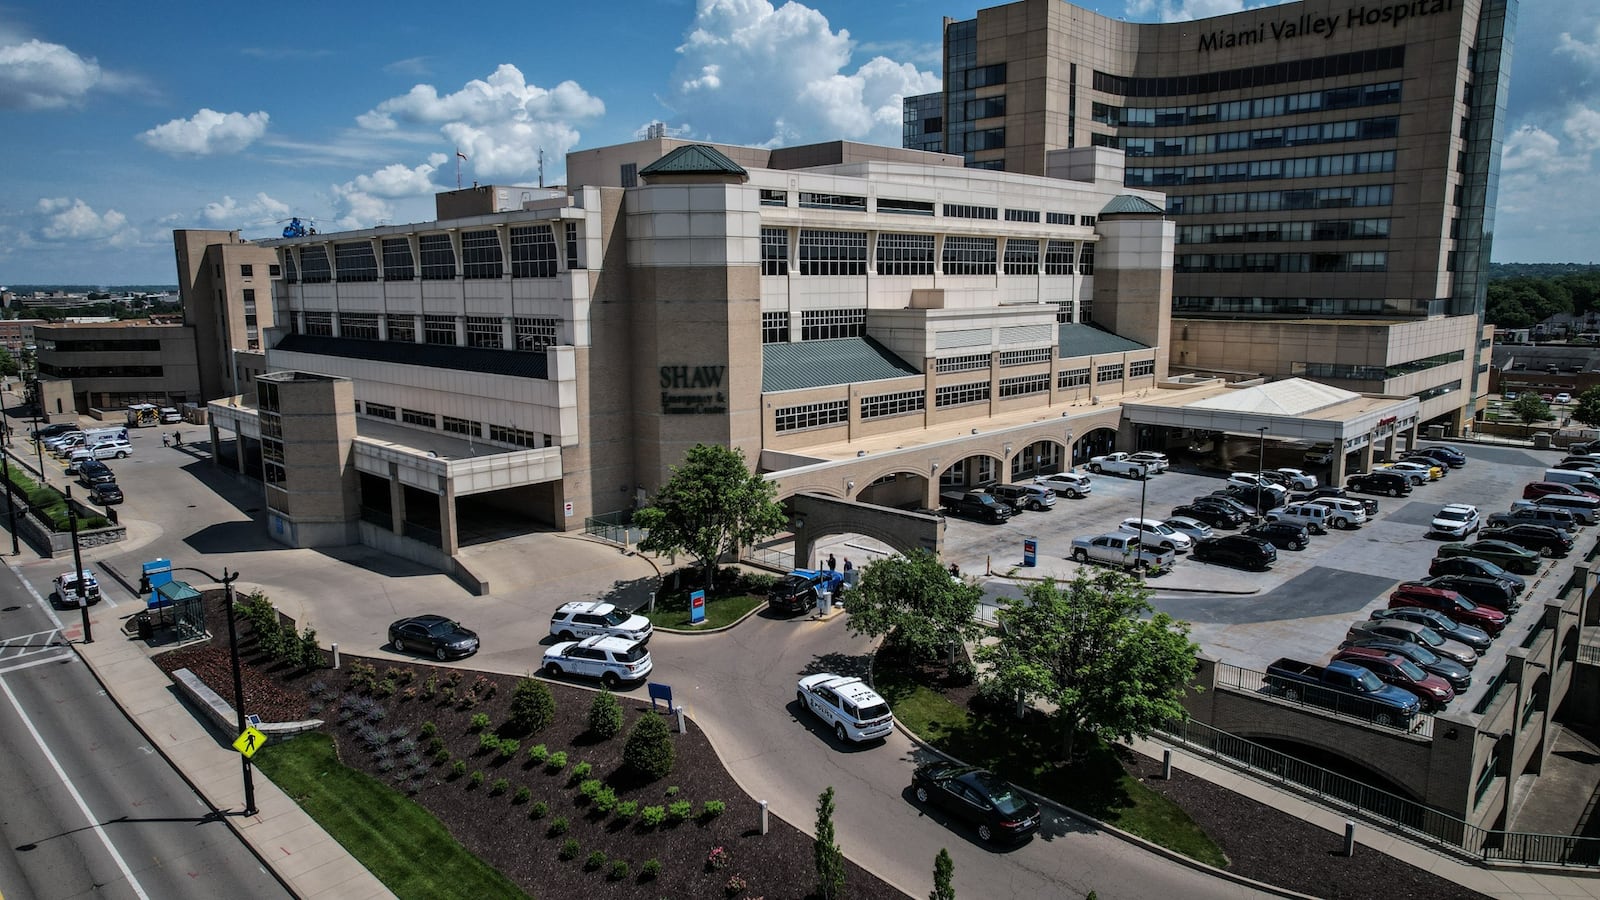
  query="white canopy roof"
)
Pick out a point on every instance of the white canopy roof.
point(1290, 397)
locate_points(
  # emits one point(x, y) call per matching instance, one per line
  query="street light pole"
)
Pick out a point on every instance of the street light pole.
point(1261, 463)
point(77, 566)
point(238, 690)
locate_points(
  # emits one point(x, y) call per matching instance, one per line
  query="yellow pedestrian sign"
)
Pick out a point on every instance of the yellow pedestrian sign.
point(250, 741)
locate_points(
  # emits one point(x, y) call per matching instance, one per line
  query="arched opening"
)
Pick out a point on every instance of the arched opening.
point(973, 471)
point(1096, 442)
point(1045, 457)
point(897, 490)
point(1337, 763)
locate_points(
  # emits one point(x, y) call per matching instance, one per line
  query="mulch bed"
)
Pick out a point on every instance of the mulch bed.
point(498, 827)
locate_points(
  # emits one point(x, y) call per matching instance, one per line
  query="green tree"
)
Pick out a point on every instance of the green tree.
point(1085, 648)
point(915, 603)
point(648, 749)
point(712, 505)
point(1530, 409)
point(532, 707)
point(8, 363)
point(943, 870)
point(1587, 409)
point(830, 860)
point(605, 715)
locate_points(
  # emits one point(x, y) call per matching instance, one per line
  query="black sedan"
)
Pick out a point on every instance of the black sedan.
point(105, 493)
point(1545, 540)
point(1471, 565)
point(1223, 498)
point(998, 809)
point(1444, 456)
point(1214, 514)
point(1238, 550)
point(441, 637)
point(1281, 534)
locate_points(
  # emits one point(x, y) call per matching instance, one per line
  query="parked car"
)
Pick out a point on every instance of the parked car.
point(1563, 397)
point(1472, 565)
point(1417, 473)
point(1239, 550)
point(1583, 509)
point(1416, 634)
point(1286, 535)
point(1457, 520)
point(1433, 691)
point(1574, 448)
point(1156, 533)
point(1251, 479)
point(78, 588)
point(799, 590)
point(1212, 514)
point(613, 660)
point(1118, 464)
point(1024, 496)
point(45, 432)
point(1535, 490)
point(106, 493)
point(1433, 471)
point(1459, 676)
point(1538, 515)
point(438, 636)
point(586, 618)
point(1319, 454)
point(1544, 540)
point(1193, 528)
point(92, 472)
point(848, 705)
point(1154, 461)
point(1505, 555)
point(997, 809)
point(1343, 687)
point(976, 505)
point(1070, 484)
point(1450, 603)
point(1254, 498)
point(1484, 591)
point(1122, 548)
point(1296, 479)
point(1315, 517)
point(1579, 464)
point(1443, 454)
point(1476, 638)
point(112, 449)
point(1227, 500)
point(1392, 483)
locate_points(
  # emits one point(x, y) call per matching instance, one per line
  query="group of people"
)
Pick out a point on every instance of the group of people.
point(833, 564)
point(174, 439)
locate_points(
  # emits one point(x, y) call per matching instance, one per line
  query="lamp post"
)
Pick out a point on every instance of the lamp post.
point(38, 442)
point(77, 567)
point(1261, 462)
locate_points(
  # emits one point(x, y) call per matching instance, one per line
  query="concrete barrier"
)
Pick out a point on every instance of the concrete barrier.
point(222, 713)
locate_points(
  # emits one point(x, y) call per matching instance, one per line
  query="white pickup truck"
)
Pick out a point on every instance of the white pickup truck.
point(1118, 464)
point(1121, 549)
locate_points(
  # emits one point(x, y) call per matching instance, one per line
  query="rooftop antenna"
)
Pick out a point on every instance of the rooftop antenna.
point(460, 157)
point(541, 167)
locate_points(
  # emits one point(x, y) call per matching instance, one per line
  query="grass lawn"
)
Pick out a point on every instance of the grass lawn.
point(1025, 753)
point(674, 612)
point(399, 841)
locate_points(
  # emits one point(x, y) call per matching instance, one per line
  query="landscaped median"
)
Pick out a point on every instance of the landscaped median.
point(737, 593)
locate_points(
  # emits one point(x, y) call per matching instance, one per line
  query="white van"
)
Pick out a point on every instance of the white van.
point(1573, 477)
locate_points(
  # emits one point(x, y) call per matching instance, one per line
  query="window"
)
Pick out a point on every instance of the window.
point(629, 176)
point(1072, 378)
point(439, 330)
point(438, 257)
point(1086, 262)
point(811, 415)
point(825, 324)
point(249, 300)
point(533, 252)
point(246, 270)
point(319, 323)
point(905, 254)
point(809, 200)
point(905, 207)
point(882, 406)
point(774, 251)
point(380, 410)
point(355, 262)
point(1060, 218)
point(361, 327)
point(466, 427)
point(1058, 258)
point(418, 417)
point(1064, 310)
point(572, 245)
point(969, 256)
point(1023, 385)
point(1103, 374)
point(1143, 368)
point(1088, 221)
point(484, 331)
point(1086, 310)
point(961, 394)
point(1022, 215)
point(480, 254)
point(314, 265)
point(505, 434)
point(964, 211)
point(1025, 357)
point(292, 275)
point(775, 328)
point(534, 333)
point(1022, 257)
point(273, 271)
point(397, 264)
point(833, 252)
point(969, 363)
point(402, 328)
point(771, 197)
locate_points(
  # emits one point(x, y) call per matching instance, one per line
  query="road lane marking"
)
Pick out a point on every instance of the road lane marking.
point(43, 604)
point(39, 661)
point(61, 774)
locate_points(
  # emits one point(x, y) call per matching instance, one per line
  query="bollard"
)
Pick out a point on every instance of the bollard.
point(763, 817)
point(1166, 764)
point(1349, 839)
point(683, 728)
point(336, 656)
point(652, 601)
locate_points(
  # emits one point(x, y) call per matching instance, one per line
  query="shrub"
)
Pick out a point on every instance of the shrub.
point(308, 654)
point(508, 748)
point(712, 808)
point(653, 815)
point(649, 750)
point(428, 729)
point(523, 795)
point(532, 707)
point(736, 885)
point(488, 741)
point(678, 810)
point(499, 787)
point(539, 810)
point(650, 869)
point(582, 770)
point(558, 825)
point(605, 715)
point(538, 753)
point(627, 809)
point(458, 768)
point(718, 859)
point(558, 761)
point(672, 791)
point(435, 746)
point(430, 687)
point(475, 780)
point(595, 861)
point(619, 870)
point(605, 800)
point(480, 721)
point(589, 788)
point(569, 847)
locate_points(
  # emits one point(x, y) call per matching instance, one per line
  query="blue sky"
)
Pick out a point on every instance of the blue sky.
point(127, 120)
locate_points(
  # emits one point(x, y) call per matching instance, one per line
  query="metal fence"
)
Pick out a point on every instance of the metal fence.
point(1321, 699)
point(1588, 653)
point(1391, 810)
point(617, 527)
point(770, 557)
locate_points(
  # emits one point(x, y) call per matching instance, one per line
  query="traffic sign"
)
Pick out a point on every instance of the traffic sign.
point(250, 741)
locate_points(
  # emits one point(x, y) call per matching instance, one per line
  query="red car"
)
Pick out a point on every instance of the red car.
point(1451, 604)
point(1533, 490)
point(1392, 668)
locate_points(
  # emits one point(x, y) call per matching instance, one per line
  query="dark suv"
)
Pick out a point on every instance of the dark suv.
point(1392, 483)
point(1214, 514)
point(1546, 540)
point(1281, 534)
point(93, 471)
point(798, 590)
point(1238, 550)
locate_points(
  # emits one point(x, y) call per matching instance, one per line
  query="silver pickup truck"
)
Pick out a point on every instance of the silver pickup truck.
point(1121, 549)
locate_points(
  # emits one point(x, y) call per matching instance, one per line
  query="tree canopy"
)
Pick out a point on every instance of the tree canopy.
point(916, 603)
point(1524, 301)
point(1587, 410)
point(710, 506)
point(1530, 409)
point(1085, 648)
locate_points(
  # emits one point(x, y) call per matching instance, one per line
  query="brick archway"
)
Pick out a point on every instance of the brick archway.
point(817, 516)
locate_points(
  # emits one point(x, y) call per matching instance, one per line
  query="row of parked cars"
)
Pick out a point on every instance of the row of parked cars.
point(84, 452)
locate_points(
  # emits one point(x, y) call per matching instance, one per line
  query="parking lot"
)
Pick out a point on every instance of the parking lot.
point(1303, 606)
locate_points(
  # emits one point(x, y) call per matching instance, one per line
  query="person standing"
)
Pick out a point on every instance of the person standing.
point(833, 564)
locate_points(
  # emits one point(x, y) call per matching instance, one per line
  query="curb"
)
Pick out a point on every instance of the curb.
point(717, 630)
point(1128, 837)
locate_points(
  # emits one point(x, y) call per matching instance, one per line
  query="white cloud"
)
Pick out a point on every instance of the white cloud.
point(207, 132)
point(37, 75)
point(365, 200)
point(76, 222)
point(1186, 10)
point(1538, 165)
point(257, 212)
point(786, 58)
point(1587, 52)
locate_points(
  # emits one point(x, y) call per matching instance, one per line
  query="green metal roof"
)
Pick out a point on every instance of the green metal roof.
point(809, 364)
point(1087, 340)
point(1128, 203)
point(694, 159)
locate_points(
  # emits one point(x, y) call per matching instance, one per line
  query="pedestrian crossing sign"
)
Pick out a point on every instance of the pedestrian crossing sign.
point(250, 741)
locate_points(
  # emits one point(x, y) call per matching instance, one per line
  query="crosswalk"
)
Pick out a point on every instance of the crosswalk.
point(27, 650)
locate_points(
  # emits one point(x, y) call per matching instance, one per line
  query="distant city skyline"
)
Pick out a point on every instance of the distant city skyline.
point(126, 128)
